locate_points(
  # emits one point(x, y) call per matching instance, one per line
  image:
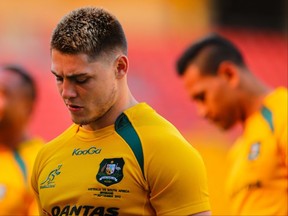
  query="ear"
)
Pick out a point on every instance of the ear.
point(229, 72)
point(122, 65)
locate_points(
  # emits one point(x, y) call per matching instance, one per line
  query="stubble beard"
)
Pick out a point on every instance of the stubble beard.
point(102, 112)
point(91, 120)
point(227, 125)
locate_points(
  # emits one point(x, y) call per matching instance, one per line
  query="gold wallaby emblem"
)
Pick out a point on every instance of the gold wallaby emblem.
point(49, 181)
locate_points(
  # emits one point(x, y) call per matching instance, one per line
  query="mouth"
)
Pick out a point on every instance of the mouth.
point(73, 107)
point(214, 121)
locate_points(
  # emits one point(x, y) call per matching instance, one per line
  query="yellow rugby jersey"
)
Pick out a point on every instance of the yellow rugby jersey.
point(141, 165)
point(16, 195)
point(257, 184)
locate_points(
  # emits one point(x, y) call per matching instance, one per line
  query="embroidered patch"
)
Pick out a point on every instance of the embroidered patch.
point(110, 171)
point(254, 151)
point(49, 181)
point(2, 191)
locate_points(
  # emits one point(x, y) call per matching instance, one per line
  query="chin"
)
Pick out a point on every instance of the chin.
point(80, 121)
point(227, 127)
point(84, 121)
point(222, 126)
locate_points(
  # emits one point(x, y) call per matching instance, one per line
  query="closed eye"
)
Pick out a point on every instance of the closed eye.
point(81, 80)
point(199, 97)
point(59, 78)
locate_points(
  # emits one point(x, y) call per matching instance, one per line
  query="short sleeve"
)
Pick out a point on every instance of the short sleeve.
point(283, 144)
point(34, 183)
point(177, 178)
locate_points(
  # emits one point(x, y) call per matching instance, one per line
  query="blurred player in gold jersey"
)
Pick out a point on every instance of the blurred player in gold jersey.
point(226, 92)
point(120, 157)
point(17, 149)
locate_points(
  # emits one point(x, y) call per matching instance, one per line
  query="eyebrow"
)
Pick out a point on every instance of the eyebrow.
point(70, 76)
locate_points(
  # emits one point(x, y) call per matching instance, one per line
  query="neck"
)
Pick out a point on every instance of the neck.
point(253, 94)
point(112, 114)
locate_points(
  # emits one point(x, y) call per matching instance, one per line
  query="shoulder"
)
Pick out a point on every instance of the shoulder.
point(57, 142)
point(276, 104)
point(33, 143)
point(68, 133)
point(277, 100)
point(31, 147)
point(142, 116)
point(155, 134)
point(153, 128)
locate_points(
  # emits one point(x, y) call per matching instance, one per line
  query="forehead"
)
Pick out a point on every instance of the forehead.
point(10, 80)
point(69, 61)
point(71, 64)
point(193, 79)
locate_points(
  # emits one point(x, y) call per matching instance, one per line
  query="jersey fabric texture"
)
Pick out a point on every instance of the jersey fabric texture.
point(258, 180)
point(141, 165)
point(16, 195)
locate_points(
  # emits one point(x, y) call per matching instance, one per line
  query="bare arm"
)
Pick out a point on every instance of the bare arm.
point(206, 213)
point(2, 102)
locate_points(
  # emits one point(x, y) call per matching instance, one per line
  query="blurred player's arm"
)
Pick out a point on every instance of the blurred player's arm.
point(284, 144)
point(2, 102)
point(206, 213)
point(34, 208)
point(34, 184)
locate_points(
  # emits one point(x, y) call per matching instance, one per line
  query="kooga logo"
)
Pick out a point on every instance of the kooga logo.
point(91, 150)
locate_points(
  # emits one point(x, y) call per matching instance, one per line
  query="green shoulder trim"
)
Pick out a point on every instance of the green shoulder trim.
point(126, 130)
point(21, 164)
point(267, 114)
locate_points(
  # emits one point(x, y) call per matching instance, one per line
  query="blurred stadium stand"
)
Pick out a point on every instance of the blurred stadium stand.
point(260, 14)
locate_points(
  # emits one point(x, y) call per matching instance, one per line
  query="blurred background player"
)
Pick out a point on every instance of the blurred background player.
point(226, 92)
point(17, 149)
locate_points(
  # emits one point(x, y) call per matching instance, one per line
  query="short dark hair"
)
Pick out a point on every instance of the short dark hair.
point(25, 76)
point(218, 49)
point(88, 30)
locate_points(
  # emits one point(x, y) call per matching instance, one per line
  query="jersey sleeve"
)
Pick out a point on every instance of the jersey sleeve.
point(281, 117)
point(34, 183)
point(177, 177)
point(283, 144)
point(34, 208)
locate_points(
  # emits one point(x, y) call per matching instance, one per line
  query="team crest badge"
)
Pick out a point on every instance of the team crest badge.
point(110, 171)
point(254, 151)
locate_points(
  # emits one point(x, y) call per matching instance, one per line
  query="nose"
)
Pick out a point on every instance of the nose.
point(68, 90)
